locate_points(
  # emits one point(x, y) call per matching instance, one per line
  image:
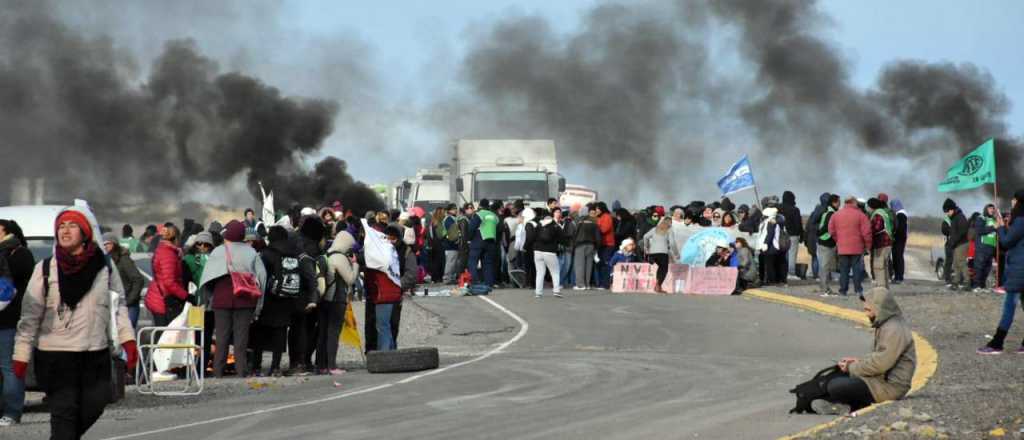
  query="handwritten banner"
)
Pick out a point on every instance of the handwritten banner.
point(712, 280)
point(634, 277)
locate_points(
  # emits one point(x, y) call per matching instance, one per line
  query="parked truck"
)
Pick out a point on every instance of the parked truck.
point(509, 169)
point(429, 189)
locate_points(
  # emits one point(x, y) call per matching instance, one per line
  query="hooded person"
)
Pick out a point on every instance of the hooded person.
point(812, 232)
point(342, 274)
point(291, 287)
point(1011, 238)
point(881, 241)
point(884, 374)
point(772, 247)
point(794, 228)
point(955, 227)
point(311, 237)
point(131, 279)
point(543, 235)
point(67, 323)
point(233, 313)
point(899, 245)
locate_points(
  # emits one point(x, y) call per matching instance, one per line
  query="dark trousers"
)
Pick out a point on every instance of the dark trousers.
point(899, 264)
point(298, 340)
point(662, 261)
point(312, 332)
point(436, 266)
point(272, 339)
point(233, 325)
point(370, 323)
point(330, 317)
point(947, 265)
point(774, 268)
point(983, 256)
point(604, 269)
point(77, 386)
point(849, 263)
point(850, 391)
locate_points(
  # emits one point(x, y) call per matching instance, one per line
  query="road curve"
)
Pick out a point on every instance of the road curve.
point(593, 365)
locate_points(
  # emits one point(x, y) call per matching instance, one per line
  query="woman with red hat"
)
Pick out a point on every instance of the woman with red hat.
point(65, 322)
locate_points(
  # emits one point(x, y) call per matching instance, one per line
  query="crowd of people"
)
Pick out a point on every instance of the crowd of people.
point(283, 287)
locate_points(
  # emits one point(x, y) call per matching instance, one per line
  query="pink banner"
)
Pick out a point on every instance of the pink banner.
point(634, 277)
point(712, 280)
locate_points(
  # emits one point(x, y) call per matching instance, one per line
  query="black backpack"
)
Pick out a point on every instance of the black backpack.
point(814, 389)
point(288, 279)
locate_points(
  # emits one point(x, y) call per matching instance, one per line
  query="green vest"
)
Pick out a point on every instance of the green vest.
point(488, 224)
point(823, 224)
point(885, 220)
point(990, 239)
point(131, 244)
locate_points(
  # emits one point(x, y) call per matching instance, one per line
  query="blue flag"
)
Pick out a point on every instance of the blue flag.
point(738, 178)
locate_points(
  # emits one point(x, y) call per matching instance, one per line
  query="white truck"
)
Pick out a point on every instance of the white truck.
point(431, 188)
point(507, 170)
point(577, 196)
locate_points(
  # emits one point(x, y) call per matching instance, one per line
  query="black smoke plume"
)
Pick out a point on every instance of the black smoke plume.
point(72, 112)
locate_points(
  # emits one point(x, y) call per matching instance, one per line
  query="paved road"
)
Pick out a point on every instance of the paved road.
point(590, 366)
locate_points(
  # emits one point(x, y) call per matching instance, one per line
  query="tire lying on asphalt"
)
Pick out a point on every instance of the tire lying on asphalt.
point(402, 360)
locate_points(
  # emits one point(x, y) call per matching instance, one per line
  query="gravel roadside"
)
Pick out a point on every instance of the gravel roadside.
point(970, 396)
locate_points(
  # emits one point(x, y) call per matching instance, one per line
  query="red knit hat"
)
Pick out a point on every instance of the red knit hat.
point(660, 210)
point(77, 218)
point(234, 231)
point(883, 197)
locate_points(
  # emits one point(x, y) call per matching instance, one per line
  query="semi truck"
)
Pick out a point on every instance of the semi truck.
point(429, 189)
point(505, 169)
point(577, 196)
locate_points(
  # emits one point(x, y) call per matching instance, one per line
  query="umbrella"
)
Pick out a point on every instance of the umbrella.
point(702, 245)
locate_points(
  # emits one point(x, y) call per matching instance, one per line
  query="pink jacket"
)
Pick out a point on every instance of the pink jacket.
point(851, 230)
point(167, 278)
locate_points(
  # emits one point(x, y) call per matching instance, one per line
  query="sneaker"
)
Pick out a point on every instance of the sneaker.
point(579, 288)
point(276, 373)
point(953, 287)
point(336, 372)
point(999, 291)
point(538, 295)
point(978, 290)
point(988, 351)
point(557, 295)
point(164, 376)
point(7, 421)
point(827, 294)
point(949, 285)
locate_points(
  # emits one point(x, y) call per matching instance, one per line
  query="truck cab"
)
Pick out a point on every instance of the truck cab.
point(507, 170)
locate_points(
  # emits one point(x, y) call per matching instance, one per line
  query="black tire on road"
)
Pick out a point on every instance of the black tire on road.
point(940, 269)
point(403, 360)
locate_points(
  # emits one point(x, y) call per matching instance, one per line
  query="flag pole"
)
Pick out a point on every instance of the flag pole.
point(995, 201)
point(757, 201)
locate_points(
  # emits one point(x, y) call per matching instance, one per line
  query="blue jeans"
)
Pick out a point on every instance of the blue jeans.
point(13, 388)
point(565, 265)
point(814, 266)
point(133, 316)
point(385, 340)
point(474, 260)
point(846, 264)
point(604, 270)
point(1009, 307)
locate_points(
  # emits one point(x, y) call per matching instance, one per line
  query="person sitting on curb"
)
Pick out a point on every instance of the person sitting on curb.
point(884, 374)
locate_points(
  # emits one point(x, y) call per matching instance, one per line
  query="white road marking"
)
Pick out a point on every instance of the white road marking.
point(523, 328)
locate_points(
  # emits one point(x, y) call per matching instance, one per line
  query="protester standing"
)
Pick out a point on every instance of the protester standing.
point(66, 325)
point(16, 262)
point(881, 242)
point(794, 228)
point(899, 244)
point(452, 240)
point(167, 294)
point(606, 226)
point(584, 248)
point(851, 230)
point(131, 279)
point(543, 235)
point(772, 247)
point(955, 223)
point(985, 244)
point(812, 232)
point(342, 274)
point(233, 312)
point(656, 241)
point(826, 248)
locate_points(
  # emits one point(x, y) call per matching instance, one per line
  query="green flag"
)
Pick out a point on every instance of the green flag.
point(974, 170)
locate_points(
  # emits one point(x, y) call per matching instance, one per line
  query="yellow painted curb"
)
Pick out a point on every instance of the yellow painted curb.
point(927, 357)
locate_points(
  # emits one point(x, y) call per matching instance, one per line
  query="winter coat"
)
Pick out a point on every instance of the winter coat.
point(244, 260)
point(678, 236)
point(772, 226)
point(958, 227)
point(811, 232)
point(277, 311)
point(879, 236)
point(621, 257)
point(586, 232)
point(626, 228)
point(656, 243)
point(889, 369)
point(131, 278)
point(19, 262)
point(1012, 238)
point(747, 269)
point(606, 225)
point(851, 230)
point(345, 271)
point(47, 325)
point(901, 228)
point(536, 230)
point(794, 225)
point(167, 281)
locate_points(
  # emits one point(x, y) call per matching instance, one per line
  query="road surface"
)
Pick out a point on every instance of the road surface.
point(593, 365)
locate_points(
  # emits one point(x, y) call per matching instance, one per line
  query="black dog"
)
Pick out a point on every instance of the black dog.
point(814, 389)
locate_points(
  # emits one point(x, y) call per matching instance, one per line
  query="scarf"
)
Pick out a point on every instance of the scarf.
point(76, 273)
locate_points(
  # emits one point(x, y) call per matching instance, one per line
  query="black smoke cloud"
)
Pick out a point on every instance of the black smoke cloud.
point(653, 89)
point(72, 112)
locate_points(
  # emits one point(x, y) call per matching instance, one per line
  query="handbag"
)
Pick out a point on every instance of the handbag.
point(243, 284)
